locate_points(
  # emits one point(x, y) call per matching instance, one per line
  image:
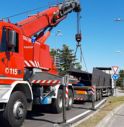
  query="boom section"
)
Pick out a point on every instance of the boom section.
point(48, 18)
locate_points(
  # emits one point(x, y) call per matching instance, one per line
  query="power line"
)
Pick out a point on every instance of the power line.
point(28, 11)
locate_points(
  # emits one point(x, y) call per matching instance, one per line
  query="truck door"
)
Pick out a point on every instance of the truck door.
point(11, 61)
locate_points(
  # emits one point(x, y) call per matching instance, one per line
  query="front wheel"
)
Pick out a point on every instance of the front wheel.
point(16, 110)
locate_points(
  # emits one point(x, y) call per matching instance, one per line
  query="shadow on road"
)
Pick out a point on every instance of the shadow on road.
point(82, 108)
point(82, 105)
point(38, 112)
point(35, 118)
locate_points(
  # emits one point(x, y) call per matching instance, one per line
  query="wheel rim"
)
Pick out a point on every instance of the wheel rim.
point(18, 110)
point(70, 101)
point(60, 102)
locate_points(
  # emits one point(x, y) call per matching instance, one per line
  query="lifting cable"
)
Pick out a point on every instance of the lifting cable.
point(78, 38)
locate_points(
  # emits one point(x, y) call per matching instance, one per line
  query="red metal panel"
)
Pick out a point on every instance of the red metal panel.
point(28, 50)
point(45, 58)
point(37, 54)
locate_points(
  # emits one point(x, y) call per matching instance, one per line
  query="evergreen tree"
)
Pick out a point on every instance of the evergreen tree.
point(78, 66)
point(120, 81)
point(67, 59)
point(53, 52)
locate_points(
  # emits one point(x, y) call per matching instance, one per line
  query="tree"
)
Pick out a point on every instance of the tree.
point(120, 81)
point(53, 52)
point(67, 59)
point(78, 66)
point(56, 57)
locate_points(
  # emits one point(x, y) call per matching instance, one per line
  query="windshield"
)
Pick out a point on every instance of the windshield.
point(4, 42)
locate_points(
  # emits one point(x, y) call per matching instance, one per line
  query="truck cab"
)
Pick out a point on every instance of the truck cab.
point(11, 55)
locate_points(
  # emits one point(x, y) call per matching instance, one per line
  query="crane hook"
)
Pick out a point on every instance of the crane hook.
point(78, 38)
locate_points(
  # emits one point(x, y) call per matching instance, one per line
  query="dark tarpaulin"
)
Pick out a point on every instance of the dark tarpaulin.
point(100, 78)
point(97, 78)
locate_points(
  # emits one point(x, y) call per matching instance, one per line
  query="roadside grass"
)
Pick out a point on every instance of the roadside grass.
point(110, 104)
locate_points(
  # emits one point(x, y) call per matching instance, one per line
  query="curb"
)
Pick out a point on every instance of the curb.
point(106, 119)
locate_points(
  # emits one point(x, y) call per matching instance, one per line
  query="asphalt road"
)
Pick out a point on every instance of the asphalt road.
point(43, 117)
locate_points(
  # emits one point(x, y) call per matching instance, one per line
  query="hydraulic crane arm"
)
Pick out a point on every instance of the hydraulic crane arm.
point(48, 18)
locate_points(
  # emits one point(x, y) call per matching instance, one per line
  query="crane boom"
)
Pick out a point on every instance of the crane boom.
point(48, 18)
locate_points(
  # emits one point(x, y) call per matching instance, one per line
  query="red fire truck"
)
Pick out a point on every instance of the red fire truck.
point(27, 72)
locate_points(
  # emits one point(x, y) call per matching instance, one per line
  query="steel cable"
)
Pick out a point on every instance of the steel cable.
point(28, 11)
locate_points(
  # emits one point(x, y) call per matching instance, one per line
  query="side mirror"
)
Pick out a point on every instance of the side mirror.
point(12, 39)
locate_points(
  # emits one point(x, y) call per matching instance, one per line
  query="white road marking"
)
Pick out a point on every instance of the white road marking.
point(96, 106)
point(86, 112)
point(76, 117)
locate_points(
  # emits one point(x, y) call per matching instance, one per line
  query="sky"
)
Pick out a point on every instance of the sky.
point(103, 38)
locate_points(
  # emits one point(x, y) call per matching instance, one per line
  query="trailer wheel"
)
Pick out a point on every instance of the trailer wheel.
point(97, 95)
point(112, 92)
point(108, 92)
point(15, 111)
point(57, 103)
point(70, 100)
point(100, 96)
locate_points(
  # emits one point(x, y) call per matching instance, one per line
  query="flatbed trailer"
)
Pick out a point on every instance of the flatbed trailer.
point(96, 84)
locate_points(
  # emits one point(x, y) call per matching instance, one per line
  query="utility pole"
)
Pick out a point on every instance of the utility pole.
point(56, 57)
point(115, 86)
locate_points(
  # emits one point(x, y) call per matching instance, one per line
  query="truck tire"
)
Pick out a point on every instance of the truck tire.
point(57, 103)
point(70, 100)
point(108, 92)
point(112, 92)
point(93, 97)
point(100, 94)
point(97, 95)
point(15, 111)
